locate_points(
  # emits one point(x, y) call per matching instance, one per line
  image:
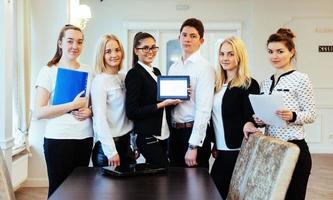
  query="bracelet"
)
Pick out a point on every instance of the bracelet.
point(192, 147)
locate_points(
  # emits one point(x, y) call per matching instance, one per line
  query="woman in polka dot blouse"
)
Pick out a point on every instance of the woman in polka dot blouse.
point(298, 98)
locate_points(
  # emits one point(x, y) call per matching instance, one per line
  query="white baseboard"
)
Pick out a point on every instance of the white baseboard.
point(36, 182)
point(320, 148)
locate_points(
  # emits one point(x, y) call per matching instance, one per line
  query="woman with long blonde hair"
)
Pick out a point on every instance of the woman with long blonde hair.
point(111, 126)
point(231, 109)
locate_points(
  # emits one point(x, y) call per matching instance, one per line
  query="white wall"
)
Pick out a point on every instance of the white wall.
point(259, 19)
point(48, 17)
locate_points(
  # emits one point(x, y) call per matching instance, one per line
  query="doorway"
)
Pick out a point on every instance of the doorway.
point(166, 35)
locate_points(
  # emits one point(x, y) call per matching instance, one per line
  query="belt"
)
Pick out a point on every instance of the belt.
point(177, 125)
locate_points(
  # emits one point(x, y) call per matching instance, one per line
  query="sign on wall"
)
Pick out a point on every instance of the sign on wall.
point(323, 48)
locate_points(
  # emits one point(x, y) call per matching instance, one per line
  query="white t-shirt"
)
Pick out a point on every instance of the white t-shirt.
point(64, 126)
point(108, 103)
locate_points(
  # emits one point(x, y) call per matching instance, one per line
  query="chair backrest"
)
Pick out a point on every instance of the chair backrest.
point(263, 169)
point(6, 187)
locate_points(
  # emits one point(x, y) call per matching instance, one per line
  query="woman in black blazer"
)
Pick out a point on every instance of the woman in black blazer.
point(148, 114)
point(231, 109)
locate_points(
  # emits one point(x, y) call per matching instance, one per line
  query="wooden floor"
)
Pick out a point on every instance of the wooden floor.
point(320, 184)
point(321, 179)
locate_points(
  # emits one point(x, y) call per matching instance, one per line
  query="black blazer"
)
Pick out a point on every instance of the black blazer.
point(236, 111)
point(141, 100)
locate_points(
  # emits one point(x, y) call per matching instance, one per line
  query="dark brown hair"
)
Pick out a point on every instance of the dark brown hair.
point(284, 35)
point(195, 23)
point(58, 53)
point(137, 41)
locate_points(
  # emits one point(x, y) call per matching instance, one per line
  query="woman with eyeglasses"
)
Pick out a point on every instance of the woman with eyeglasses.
point(148, 114)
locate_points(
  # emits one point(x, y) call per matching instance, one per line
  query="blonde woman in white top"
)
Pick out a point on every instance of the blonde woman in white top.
point(111, 126)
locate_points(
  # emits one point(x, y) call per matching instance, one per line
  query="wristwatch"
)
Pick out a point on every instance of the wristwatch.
point(192, 147)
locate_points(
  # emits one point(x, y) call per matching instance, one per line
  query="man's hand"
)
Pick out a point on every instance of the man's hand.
point(214, 151)
point(191, 157)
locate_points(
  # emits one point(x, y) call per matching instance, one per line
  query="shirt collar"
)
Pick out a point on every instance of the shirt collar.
point(193, 58)
point(284, 74)
point(146, 67)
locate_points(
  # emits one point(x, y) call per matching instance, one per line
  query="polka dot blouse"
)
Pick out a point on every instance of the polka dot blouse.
point(298, 97)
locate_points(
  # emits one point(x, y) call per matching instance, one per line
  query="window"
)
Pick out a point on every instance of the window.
point(173, 53)
point(21, 91)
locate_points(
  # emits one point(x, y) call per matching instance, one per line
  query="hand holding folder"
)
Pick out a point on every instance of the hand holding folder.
point(70, 84)
point(80, 101)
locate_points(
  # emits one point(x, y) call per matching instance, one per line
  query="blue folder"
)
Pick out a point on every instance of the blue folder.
point(69, 84)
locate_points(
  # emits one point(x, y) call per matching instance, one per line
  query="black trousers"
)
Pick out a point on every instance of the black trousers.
point(178, 146)
point(63, 156)
point(299, 180)
point(222, 170)
point(153, 150)
point(123, 148)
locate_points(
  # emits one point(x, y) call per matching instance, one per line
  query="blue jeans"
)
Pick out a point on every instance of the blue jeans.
point(123, 148)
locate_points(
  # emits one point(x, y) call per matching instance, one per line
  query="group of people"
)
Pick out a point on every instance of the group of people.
point(172, 132)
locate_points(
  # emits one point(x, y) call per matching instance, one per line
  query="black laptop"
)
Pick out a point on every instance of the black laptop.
point(134, 170)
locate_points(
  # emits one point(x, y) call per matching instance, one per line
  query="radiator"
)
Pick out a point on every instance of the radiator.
point(19, 169)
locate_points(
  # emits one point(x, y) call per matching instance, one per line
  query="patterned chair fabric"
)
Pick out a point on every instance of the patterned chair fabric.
point(263, 169)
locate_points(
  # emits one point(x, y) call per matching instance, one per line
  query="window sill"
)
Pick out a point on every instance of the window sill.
point(18, 150)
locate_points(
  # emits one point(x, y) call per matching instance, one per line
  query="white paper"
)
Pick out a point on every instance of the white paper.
point(265, 107)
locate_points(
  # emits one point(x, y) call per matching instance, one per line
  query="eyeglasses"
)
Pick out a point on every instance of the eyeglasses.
point(147, 49)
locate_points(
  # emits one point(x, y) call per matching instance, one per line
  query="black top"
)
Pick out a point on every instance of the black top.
point(141, 100)
point(236, 111)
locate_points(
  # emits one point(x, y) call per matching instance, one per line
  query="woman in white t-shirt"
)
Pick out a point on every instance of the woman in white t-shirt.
point(68, 137)
point(111, 126)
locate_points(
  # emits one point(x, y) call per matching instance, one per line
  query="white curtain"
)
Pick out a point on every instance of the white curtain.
point(22, 83)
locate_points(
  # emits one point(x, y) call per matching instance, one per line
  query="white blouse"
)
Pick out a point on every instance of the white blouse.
point(109, 114)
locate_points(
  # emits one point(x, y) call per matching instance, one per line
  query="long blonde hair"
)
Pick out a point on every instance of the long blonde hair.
point(100, 51)
point(242, 77)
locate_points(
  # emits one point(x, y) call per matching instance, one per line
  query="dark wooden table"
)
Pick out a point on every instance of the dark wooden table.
point(87, 183)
